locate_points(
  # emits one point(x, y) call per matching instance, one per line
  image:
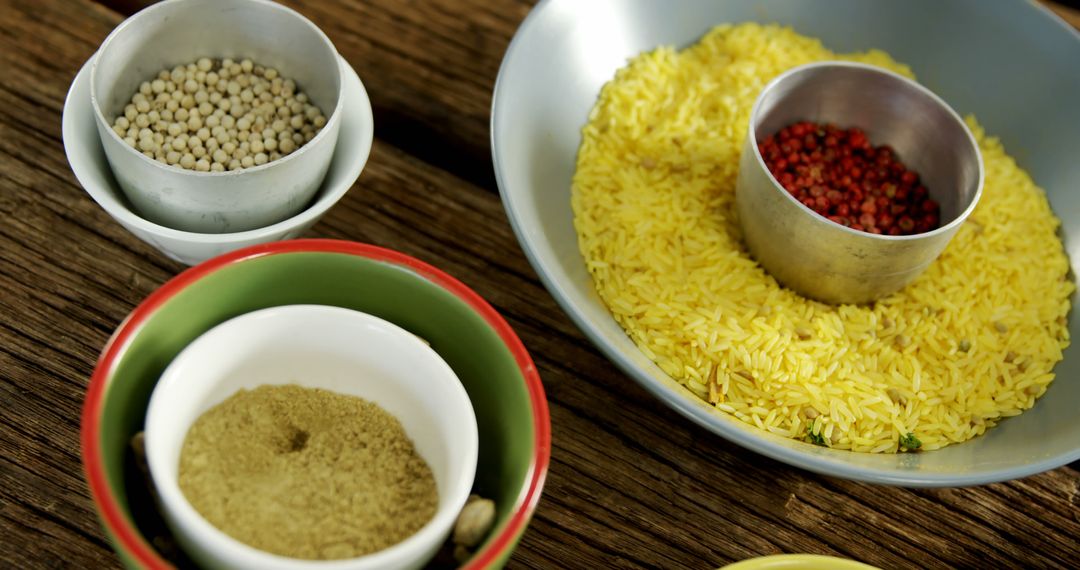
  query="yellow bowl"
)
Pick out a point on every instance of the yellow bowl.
point(798, 562)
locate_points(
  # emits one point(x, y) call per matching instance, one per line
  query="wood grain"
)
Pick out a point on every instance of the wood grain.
point(1071, 14)
point(632, 484)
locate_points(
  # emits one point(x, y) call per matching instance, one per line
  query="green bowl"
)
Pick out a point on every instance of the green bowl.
point(497, 372)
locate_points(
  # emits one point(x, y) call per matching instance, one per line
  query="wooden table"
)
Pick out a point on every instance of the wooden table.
point(632, 483)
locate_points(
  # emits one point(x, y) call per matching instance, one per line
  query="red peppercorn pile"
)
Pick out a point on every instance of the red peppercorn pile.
point(840, 175)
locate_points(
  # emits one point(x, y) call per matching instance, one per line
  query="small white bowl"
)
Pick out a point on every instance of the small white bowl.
point(179, 32)
point(87, 158)
point(318, 346)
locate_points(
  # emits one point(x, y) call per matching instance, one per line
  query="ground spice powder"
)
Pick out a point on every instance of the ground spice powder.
point(306, 473)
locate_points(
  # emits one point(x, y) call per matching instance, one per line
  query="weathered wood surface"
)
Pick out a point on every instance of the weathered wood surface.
point(632, 484)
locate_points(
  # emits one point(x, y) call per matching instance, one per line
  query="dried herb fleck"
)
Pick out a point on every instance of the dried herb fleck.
point(910, 442)
point(815, 438)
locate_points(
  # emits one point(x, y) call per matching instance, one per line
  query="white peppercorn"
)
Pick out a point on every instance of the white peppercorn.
point(218, 115)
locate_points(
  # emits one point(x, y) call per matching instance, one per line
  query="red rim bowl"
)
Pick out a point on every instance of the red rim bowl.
point(129, 540)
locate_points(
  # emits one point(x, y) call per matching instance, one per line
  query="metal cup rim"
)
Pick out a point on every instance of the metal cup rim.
point(333, 117)
point(909, 83)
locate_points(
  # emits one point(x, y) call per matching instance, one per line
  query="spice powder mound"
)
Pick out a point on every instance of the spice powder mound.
point(306, 473)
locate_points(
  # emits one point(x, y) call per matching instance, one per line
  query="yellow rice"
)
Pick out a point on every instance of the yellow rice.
point(653, 197)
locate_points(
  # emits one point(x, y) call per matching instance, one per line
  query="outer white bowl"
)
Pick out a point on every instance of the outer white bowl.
point(87, 158)
point(180, 31)
point(317, 346)
point(1016, 67)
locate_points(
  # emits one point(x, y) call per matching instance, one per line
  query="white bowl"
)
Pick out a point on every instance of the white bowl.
point(181, 31)
point(317, 346)
point(87, 158)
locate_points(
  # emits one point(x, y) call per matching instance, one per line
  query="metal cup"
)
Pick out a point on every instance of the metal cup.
point(824, 260)
point(179, 32)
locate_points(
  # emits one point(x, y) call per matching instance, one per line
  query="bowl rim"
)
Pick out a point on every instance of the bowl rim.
point(123, 214)
point(743, 435)
point(795, 561)
point(126, 536)
point(332, 118)
point(969, 138)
